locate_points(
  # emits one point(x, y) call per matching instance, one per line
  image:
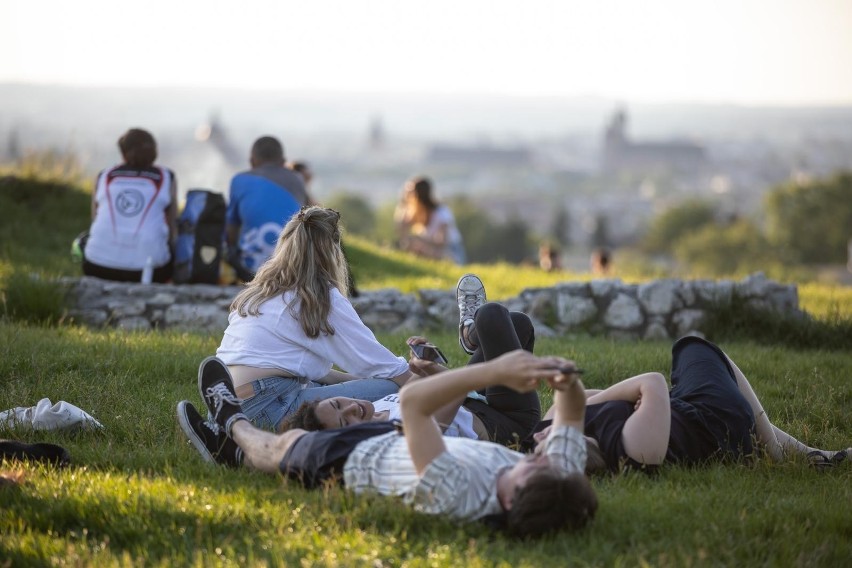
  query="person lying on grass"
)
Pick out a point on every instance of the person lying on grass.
point(457, 477)
point(499, 414)
point(710, 413)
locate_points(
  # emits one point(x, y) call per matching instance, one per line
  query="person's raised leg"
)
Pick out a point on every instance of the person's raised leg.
point(496, 330)
point(779, 443)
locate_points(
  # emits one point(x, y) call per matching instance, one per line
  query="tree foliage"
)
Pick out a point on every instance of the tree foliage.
point(811, 223)
point(486, 240)
point(356, 215)
point(713, 249)
point(675, 223)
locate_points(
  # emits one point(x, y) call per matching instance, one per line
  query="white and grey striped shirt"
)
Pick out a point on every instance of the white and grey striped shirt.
point(461, 482)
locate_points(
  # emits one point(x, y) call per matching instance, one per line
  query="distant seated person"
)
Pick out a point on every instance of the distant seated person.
point(548, 257)
point(601, 261)
point(303, 169)
point(134, 212)
point(260, 203)
point(426, 227)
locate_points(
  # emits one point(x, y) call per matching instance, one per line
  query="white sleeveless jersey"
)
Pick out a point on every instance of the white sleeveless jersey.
point(462, 426)
point(130, 224)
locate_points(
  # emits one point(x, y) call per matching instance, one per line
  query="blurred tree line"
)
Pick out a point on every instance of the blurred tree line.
point(802, 223)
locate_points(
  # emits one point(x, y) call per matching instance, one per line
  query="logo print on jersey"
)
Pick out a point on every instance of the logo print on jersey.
point(129, 202)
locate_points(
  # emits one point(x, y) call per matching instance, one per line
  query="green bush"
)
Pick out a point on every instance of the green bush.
point(811, 222)
point(670, 227)
point(738, 321)
point(28, 297)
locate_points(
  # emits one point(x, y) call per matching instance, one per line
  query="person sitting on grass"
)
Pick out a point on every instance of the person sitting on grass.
point(460, 478)
point(711, 413)
point(292, 323)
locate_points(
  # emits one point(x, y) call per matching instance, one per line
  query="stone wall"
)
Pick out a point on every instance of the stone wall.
point(661, 309)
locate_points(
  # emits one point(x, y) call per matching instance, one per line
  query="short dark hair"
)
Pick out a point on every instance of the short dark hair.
point(595, 460)
point(267, 149)
point(549, 501)
point(305, 418)
point(138, 148)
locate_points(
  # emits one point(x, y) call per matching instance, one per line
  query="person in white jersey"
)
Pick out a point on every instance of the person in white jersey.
point(462, 479)
point(134, 215)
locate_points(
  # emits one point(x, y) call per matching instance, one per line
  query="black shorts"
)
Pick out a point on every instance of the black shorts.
point(710, 416)
point(318, 456)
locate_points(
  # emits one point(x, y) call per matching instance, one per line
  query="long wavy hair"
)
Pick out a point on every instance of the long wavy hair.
point(421, 204)
point(307, 260)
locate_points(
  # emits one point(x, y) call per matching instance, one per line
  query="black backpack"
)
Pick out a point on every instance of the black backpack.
point(201, 231)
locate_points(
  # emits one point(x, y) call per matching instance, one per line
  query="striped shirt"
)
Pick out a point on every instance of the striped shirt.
point(461, 482)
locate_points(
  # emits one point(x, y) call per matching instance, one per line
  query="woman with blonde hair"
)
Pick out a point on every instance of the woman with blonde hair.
point(425, 226)
point(293, 322)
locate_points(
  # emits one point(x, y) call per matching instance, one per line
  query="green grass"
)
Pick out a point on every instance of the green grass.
point(138, 494)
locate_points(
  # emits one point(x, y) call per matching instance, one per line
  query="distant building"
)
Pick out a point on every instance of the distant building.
point(621, 154)
point(377, 134)
point(479, 155)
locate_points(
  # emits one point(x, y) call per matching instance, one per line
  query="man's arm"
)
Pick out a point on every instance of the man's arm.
point(569, 400)
point(420, 400)
point(646, 432)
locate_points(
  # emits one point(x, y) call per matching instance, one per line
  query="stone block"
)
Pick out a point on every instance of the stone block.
point(660, 296)
point(195, 316)
point(575, 310)
point(161, 300)
point(752, 286)
point(656, 330)
point(604, 289)
point(126, 308)
point(685, 321)
point(624, 313)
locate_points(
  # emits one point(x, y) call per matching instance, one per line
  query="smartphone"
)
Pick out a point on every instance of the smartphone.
point(428, 352)
point(570, 370)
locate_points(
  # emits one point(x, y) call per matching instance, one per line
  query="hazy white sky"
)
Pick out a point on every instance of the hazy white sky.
point(786, 52)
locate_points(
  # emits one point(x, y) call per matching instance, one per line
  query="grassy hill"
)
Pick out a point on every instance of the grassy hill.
point(137, 494)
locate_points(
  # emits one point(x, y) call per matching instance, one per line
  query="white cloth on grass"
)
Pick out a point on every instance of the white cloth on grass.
point(48, 416)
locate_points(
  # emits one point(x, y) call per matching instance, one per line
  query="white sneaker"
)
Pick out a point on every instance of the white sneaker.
point(470, 293)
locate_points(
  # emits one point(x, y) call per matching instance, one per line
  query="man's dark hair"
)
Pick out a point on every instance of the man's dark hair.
point(549, 501)
point(267, 149)
point(305, 418)
point(138, 148)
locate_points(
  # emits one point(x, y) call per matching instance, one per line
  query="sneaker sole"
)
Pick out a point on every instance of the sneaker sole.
point(190, 433)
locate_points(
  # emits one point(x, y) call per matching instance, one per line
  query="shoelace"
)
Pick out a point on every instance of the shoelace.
point(470, 302)
point(213, 426)
point(220, 394)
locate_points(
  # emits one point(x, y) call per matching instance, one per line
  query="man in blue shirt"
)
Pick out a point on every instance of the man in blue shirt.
point(261, 201)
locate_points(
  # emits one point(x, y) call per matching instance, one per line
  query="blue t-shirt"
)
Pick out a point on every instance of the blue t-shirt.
point(261, 208)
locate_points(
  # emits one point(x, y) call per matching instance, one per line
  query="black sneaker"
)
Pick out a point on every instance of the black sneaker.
point(207, 437)
point(470, 294)
point(217, 391)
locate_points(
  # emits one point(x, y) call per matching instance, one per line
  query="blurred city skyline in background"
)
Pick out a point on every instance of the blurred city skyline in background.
point(610, 109)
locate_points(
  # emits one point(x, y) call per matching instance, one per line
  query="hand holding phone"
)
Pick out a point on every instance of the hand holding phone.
point(428, 352)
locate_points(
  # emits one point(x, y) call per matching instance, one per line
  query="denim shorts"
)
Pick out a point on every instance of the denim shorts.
point(277, 397)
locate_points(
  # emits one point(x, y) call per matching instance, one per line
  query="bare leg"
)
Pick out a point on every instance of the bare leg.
point(778, 443)
point(262, 450)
